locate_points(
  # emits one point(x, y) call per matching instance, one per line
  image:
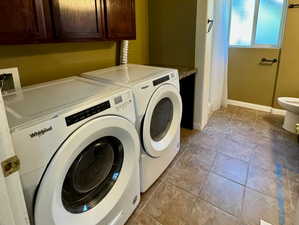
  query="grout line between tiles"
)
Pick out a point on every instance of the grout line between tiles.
point(143, 211)
point(201, 188)
point(163, 180)
point(267, 195)
point(217, 207)
point(210, 171)
point(188, 192)
point(220, 175)
point(152, 194)
point(185, 190)
point(244, 193)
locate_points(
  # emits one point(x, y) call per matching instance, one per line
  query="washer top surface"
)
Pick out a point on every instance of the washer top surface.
point(52, 97)
point(127, 75)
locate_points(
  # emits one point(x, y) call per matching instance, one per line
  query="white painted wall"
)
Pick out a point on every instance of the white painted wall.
point(203, 50)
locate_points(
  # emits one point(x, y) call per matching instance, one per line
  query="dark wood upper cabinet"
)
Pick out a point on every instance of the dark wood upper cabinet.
point(22, 21)
point(120, 18)
point(39, 21)
point(78, 19)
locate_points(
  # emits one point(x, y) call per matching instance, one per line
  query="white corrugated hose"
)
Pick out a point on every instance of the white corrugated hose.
point(124, 52)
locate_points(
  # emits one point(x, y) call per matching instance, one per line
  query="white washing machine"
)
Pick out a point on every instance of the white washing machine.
point(159, 110)
point(79, 151)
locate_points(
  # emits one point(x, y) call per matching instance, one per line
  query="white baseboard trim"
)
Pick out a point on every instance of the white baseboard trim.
point(256, 107)
point(278, 111)
point(265, 223)
point(250, 105)
point(197, 126)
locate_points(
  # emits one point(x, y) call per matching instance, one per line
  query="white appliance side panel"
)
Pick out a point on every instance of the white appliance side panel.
point(14, 211)
point(6, 213)
point(151, 169)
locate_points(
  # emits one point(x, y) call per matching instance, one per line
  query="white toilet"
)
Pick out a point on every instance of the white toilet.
point(291, 105)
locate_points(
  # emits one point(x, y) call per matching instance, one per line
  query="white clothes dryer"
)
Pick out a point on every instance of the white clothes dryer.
point(79, 151)
point(159, 110)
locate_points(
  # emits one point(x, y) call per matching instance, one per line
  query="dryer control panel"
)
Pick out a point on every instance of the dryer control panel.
point(70, 120)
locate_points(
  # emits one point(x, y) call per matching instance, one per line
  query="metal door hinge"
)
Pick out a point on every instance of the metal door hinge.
point(10, 166)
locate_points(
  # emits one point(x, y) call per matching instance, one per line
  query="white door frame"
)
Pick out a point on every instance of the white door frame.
point(14, 211)
point(202, 63)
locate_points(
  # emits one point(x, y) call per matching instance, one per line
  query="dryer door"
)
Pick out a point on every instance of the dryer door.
point(89, 173)
point(162, 120)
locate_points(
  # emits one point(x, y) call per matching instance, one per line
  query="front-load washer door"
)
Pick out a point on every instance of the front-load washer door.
point(162, 120)
point(89, 174)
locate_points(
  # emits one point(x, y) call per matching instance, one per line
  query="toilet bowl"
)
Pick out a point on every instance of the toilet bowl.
point(291, 105)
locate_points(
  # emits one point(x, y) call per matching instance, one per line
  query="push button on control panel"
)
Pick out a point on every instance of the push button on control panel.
point(118, 100)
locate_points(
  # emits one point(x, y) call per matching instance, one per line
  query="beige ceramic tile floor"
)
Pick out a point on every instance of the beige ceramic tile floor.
point(241, 168)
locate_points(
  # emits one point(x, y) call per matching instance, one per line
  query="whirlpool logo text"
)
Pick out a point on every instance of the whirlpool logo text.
point(41, 132)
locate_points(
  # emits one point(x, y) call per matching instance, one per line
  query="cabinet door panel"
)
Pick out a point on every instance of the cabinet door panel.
point(22, 21)
point(75, 19)
point(121, 19)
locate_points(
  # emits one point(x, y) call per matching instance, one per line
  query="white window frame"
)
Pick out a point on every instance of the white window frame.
point(253, 35)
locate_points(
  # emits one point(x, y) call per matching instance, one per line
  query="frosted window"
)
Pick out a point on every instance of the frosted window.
point(269, 22)
point(242, 16)
point(253, 26)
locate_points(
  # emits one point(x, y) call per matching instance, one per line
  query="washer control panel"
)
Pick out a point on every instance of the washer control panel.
point(161, 80)
point(72, 119)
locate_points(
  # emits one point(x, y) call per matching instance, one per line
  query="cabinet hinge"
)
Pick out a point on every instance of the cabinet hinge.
point(10, 166)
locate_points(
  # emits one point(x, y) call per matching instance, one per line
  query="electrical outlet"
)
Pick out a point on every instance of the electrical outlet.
point(10, 79)
point(6, 82)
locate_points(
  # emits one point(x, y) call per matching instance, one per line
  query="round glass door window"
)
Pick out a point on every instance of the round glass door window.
point(161, 119)
point(92, 175)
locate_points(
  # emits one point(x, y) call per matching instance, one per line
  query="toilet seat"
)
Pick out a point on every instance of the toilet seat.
point(291, 105)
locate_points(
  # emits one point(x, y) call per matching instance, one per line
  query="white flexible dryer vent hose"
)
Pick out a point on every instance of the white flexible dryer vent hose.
point(124, 52)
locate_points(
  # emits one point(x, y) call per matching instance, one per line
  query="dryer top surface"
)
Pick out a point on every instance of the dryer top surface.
point(127, 75)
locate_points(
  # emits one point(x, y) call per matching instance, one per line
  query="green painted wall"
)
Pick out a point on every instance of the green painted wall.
point(172, 32)
point(40, 63)
point(43, 62)
point(139, 49)
point(248, 81)
point(288, 76)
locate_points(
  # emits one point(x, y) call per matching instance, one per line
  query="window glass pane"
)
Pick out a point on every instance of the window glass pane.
point(242, 22)
point(269, 22)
